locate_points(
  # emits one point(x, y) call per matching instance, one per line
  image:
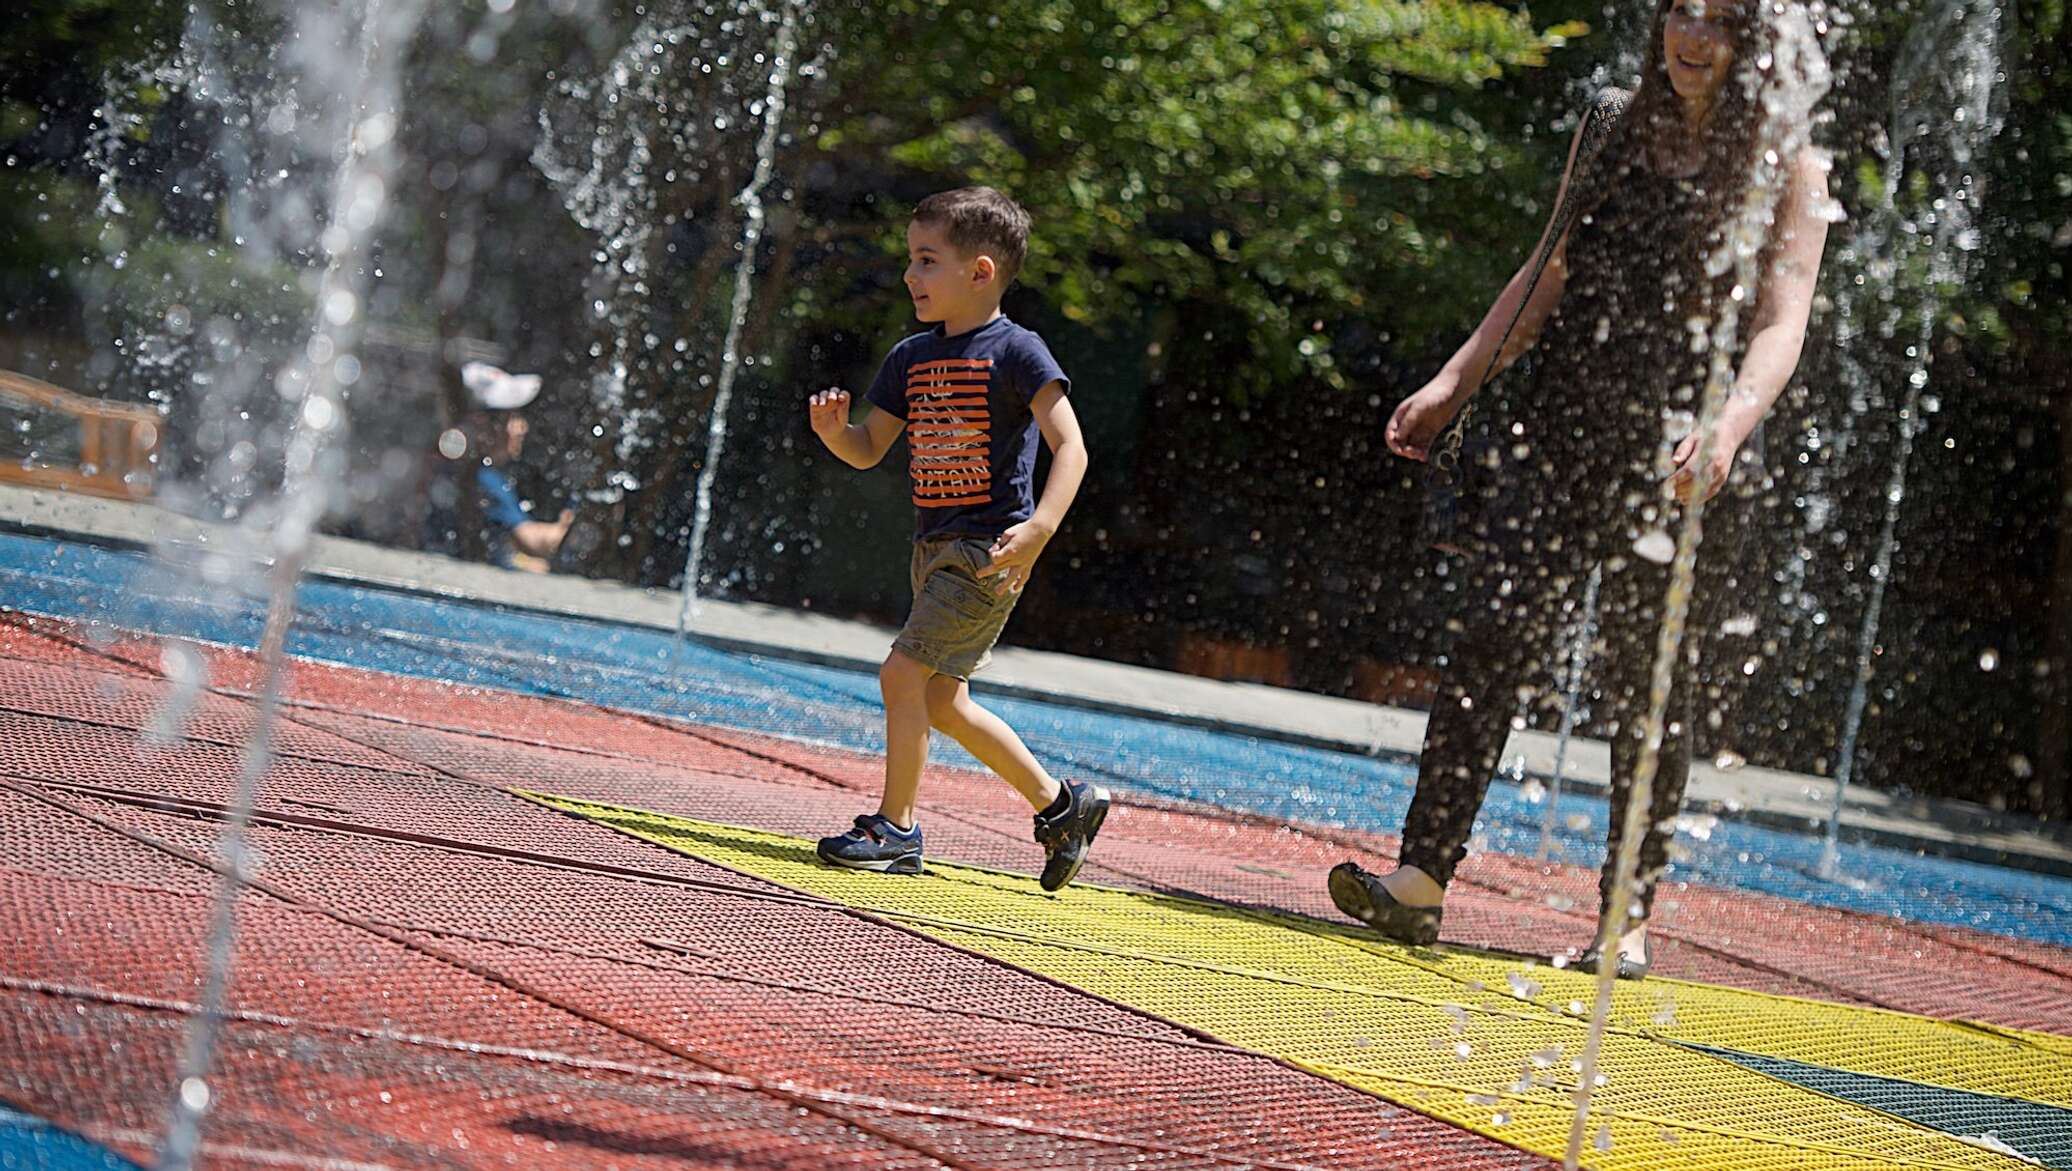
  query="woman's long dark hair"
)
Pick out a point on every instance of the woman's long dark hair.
point(1655, 115)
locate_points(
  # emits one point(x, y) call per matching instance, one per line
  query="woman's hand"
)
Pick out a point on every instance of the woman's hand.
point(1420, 418)
point(1689, 478)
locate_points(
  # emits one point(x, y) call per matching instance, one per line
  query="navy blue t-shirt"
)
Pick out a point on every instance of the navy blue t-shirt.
point(970, 433)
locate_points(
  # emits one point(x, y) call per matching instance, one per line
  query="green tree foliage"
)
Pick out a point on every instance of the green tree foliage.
point(1249, 157)
point(1259, 223)
point(49, 41)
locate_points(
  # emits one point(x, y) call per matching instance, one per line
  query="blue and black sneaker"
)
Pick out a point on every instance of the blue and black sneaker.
point(1067, 828)
point(875, 844)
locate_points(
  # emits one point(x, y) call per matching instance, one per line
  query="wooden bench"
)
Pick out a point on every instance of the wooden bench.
point(53, 438)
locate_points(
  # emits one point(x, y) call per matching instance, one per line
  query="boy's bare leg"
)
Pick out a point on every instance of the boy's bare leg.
point(987, 736)
point(904, 682)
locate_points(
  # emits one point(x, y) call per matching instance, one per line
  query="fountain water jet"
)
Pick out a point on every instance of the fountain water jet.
point(1955, 51)
point(1789, 82)
point(363, 122)
point(1571, 699)
point(753, 215)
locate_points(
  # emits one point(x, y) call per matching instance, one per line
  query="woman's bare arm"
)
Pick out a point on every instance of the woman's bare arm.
point(1420, 419)
point(1464, 371)
point(1778, 332)
point(1791, 272)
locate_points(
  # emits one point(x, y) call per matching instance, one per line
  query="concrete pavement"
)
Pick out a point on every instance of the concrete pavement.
point(1791, 801)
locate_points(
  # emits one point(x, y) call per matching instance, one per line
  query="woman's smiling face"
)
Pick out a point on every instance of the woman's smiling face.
point(1698, 47)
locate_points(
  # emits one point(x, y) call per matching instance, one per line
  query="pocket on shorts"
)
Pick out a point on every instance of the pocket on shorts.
point(963, 591)
point(977, 554)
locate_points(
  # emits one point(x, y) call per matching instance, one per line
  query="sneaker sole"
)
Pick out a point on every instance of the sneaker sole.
point(910, 864)
point(1101, 797)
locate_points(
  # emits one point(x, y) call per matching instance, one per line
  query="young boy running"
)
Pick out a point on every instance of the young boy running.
point(971, 393)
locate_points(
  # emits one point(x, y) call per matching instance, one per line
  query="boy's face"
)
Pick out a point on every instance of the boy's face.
point(944, 283)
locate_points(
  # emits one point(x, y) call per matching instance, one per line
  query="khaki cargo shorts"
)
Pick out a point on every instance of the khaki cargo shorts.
point(957, 615)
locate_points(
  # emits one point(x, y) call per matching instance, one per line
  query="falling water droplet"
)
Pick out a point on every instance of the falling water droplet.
point(194, 1094)
point(1656, 546)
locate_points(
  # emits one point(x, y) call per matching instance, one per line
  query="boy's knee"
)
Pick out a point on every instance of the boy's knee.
point(902, 678)
point(944, 710)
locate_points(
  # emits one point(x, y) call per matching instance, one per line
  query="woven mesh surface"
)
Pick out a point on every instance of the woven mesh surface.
point(1480, 1042)
point(631, 668)
point(2040, 1132)
point(531, 988)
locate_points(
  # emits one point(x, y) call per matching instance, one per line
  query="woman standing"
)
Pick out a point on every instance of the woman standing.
point(1586, 463)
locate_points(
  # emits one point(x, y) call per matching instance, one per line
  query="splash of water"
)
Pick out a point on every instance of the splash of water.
point(608, 193)
point(1946, 87)
point(113, 126)
point(362, 122)
point(1790, 85)
point(753, 216)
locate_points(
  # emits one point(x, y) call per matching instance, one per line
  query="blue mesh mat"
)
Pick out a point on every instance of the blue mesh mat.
point(28, 1143)
point(2042, 1133)
point(649, 671)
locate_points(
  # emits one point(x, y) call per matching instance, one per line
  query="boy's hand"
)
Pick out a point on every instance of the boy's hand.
point(829, 411)
point(1014, 556)
point(1685, 481)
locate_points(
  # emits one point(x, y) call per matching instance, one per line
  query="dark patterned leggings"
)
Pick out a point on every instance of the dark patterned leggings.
point(1509, 616)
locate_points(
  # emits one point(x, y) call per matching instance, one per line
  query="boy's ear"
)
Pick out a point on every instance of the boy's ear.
point(983, 270)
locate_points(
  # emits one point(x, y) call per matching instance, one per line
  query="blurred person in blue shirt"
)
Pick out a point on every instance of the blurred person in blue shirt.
point(491, 438)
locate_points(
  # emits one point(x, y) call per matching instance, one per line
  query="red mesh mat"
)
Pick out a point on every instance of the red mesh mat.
point(435, 973)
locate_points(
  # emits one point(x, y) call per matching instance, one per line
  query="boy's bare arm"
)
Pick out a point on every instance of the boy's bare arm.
point(860, 445)
point(1016, 550)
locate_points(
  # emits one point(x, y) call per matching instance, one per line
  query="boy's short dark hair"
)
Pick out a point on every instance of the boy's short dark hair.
point(980, 219)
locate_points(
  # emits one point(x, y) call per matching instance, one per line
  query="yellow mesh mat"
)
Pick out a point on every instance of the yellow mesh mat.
point(1881, 1043)
point(1483, 1043)
point(2049, 1042)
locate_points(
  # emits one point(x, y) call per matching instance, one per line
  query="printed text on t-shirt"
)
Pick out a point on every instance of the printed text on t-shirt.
point(950, 430)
